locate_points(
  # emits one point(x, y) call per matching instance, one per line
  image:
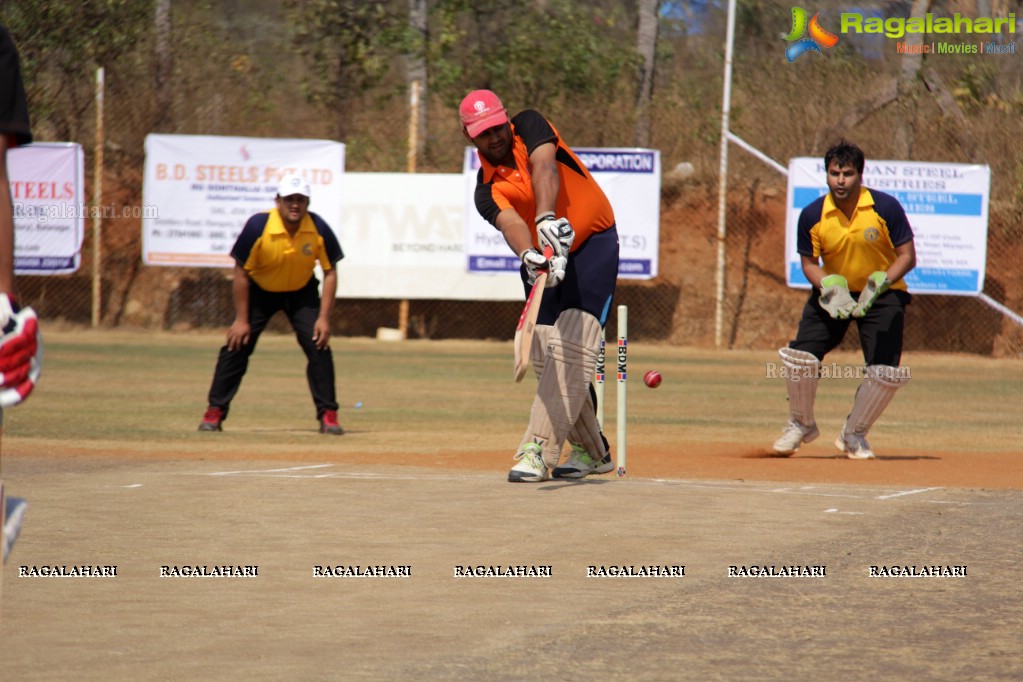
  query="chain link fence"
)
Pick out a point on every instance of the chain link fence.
point(226, 81)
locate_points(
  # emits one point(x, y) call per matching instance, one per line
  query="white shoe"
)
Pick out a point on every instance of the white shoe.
point(854, 445)
point(793, 435)
point(531, 467)
point(581, 465)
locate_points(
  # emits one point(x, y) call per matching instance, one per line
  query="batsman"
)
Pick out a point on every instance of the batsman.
point(855, 246)
point(534, 189)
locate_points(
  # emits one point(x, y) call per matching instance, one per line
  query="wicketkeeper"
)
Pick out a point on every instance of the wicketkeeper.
point(534, 189)
point(856, 246)
point(21, 346)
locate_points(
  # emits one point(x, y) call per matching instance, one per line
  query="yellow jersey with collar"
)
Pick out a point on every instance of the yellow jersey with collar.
point(580, 198)
point(278, 261)
point(854, 246)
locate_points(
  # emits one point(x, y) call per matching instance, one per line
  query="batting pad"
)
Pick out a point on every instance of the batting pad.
point(873, 396)
point(538, 358)
point(538, 351)
point(586, 431)
point(802, 377)
point(564, 387)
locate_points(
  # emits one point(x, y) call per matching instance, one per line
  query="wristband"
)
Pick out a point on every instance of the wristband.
point(549, 215)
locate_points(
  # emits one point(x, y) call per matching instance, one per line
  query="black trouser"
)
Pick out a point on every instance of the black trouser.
point(881, 329)
point(302, 308)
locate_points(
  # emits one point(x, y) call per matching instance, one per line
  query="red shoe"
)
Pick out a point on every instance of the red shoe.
point(328, 423)
point(212, 419)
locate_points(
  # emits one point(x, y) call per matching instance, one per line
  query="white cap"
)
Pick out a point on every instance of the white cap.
point(293, 184)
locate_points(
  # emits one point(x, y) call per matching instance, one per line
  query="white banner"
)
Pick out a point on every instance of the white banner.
point(403, 238)
point(47, 187)
point(947, 207)
point(204, 188)
point(631, 178)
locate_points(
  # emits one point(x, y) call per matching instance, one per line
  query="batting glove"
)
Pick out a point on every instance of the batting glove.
point(21, 352)
point(877, 284)
point(535, 263)
point(835, 297)
point(557, 234)
point(556, 275)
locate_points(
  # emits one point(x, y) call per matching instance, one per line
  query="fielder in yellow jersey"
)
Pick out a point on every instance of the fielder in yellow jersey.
point(855, 247)
point(275, 256)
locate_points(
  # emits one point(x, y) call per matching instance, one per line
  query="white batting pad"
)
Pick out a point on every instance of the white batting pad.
point(538, 351)
point(873, 396)
point(538, 358)
point(802, 371)
point(564, 386)
point(586, 431)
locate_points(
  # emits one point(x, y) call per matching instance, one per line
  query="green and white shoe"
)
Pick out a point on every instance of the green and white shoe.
point(531, 467)
point(580, 464)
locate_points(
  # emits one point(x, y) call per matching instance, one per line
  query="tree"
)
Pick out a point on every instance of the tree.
point(164, 65)
point(62, 44)
point(646, 48)
point(347, 43)
point(416, 71)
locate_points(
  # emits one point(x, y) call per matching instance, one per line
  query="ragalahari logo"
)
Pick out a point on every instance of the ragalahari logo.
point(819, 36)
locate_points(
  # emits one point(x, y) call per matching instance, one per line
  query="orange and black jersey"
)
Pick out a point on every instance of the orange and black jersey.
point(580, 198)
point(854, 246)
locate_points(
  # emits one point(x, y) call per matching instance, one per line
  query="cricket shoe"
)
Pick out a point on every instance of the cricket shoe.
point(793, 435)
point(580, 464)
point(212, 419)
point(531, 467)
point(329, 424)
point(854, 445)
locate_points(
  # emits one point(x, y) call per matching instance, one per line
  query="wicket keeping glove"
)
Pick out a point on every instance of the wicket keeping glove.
point(835, 297)
point(21, 352)
point(877, 284)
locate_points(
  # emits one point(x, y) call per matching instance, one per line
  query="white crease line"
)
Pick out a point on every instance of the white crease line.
point(283, 473)
point(804, 490)
point(906, 492)
point(267, 471)
point(745, 489)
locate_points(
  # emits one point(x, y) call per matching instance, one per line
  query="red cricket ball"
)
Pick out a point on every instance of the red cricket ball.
point(652, 379)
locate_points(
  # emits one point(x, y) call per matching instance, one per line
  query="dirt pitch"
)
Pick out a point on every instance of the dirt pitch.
point(116, 475)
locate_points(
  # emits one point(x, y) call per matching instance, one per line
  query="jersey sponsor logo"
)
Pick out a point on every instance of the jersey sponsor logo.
point(611, 161)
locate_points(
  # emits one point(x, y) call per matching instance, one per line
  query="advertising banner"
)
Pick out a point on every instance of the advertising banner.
point(631, 178)
point(205, 187)
point(947, 207)
point(47, 188)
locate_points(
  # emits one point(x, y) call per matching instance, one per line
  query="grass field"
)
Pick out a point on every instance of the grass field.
point(428, 399)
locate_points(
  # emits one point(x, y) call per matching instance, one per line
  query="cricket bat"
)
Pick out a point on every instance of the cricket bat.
point(527, 322)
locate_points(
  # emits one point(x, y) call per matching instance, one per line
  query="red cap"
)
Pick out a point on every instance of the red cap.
point(481, 109)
